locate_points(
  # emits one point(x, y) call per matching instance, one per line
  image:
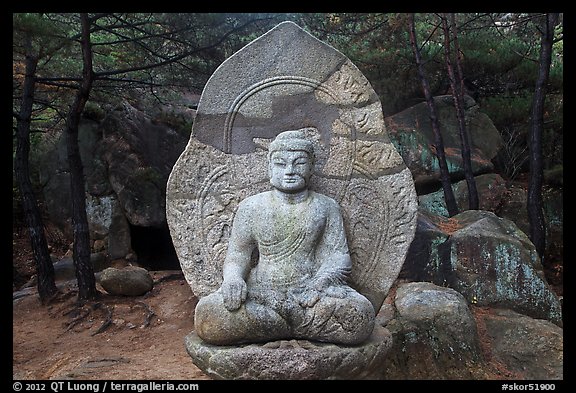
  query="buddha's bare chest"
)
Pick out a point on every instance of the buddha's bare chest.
point(301, 224)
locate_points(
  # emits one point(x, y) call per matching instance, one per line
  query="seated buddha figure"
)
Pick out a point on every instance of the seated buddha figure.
point(298, 286)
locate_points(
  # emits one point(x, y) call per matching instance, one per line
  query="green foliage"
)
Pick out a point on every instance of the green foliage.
point(555, 175)
point(485, 54)
point(93, 111)
point(507, 110)
point(31, 23)
point(179, 122)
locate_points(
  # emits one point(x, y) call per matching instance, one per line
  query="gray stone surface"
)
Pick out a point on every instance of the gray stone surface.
point(293, 359)
point(139, 154)
point(64, 268)
point(285, 80)
point(427, 256)
point(289, 80)
point(486, 258)
point(129, 281)
point(127, 158)
point(495, 263)
point(119, 236)
point(441, 312)
point(434, 335)
point(297, 288)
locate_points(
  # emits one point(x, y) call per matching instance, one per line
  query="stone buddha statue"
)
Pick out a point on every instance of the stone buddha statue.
point(287, 263)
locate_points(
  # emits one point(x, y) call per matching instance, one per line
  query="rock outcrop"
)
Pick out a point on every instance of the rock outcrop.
point(411, 133)
point(437, 334)
point(491, 192)
point(292, 359)
point(530, 348)
point(434, 334)
point(127, 157)
point(486, 258)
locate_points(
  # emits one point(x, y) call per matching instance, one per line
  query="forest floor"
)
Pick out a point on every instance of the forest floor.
point(125, 338)
point(114, 337)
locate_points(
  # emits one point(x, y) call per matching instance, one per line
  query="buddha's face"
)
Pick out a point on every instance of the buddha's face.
point(290, 171)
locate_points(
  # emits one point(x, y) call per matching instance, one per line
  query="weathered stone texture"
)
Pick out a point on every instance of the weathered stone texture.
point(496, 264)
point(411, 132)
point(531, 348)
point(491, 194)
point(288, 79)
point(293, 359)
point(486, 258)
point(437, 334)
point(434, 335)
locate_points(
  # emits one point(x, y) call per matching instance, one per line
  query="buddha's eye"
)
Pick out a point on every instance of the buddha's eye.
point(279, 164)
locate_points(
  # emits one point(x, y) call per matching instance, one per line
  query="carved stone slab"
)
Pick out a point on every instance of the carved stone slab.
point(288, 79)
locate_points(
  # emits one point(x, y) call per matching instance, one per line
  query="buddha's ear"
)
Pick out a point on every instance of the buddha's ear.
point(269, 157)
point(312, 157)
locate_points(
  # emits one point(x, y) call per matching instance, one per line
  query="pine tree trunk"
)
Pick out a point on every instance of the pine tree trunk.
point(457, 86)
point(44, 268)
point(535, 203)
point(83, 265)
point(449, 198)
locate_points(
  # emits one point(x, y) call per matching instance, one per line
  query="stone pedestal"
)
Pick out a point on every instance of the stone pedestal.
point(292, 359)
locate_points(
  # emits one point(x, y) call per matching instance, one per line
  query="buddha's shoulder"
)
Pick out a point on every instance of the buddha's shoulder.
point(325, 200)
point(256, 201)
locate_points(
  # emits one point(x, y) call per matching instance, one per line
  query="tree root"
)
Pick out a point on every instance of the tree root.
point(79, 312)
point(107, 322)
point(82, 314)
point(149, 314)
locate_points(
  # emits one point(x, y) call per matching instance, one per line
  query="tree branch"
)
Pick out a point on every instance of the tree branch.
point(176, 58)
point(56, 82)
point(524, 56)
point(129, 80)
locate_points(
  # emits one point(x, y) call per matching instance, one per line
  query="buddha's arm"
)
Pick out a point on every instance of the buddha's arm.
point(333, 257)
point(332, 252)
point(237, 262)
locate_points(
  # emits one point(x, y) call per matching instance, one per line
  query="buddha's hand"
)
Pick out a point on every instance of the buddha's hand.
point(234, 293)
point(313, 291)
point(319, 286)
point(321, 282)
point(308, 297)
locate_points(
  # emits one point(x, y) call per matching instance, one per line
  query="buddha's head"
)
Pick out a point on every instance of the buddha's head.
point(290, 161)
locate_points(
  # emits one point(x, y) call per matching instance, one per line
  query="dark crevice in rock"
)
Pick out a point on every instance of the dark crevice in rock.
point(153, 248)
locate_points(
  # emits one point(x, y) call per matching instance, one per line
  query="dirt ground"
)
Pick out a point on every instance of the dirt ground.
point(143, 336)
point(140, 338)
